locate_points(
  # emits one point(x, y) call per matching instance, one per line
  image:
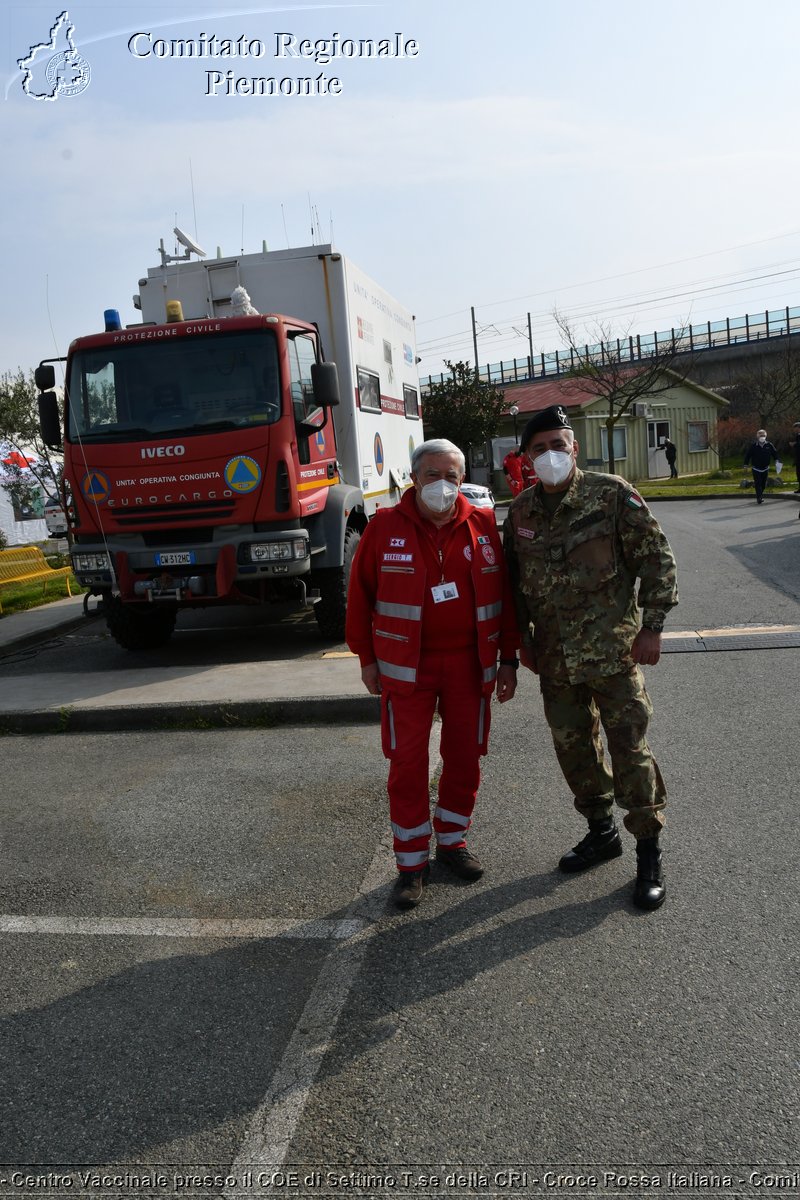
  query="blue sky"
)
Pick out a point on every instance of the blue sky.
point(631, 165)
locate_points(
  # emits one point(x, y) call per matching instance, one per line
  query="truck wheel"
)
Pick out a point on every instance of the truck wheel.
point(136, 628)
point(331, 607)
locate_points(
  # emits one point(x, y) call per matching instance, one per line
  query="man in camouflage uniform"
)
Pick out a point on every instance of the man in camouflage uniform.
point(576, 544)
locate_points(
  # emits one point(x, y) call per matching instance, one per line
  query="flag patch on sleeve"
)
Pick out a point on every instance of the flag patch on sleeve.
point(634, 500)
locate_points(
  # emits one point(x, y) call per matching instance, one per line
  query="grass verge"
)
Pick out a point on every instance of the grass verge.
point(715, 483)
point(19, 597)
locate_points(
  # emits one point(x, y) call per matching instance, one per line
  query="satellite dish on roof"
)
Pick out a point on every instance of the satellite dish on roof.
point(186, 241)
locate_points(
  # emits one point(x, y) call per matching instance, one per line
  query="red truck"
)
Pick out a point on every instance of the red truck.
point(212, 458)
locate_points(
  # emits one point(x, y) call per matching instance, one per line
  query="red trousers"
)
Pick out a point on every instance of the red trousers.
point(454, 682)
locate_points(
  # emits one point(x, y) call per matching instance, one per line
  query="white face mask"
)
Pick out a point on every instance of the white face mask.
point(553, 467)
point(439, 496)
point(762, 441)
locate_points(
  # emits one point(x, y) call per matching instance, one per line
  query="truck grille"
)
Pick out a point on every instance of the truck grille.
point(197, 535)
point(165, 514)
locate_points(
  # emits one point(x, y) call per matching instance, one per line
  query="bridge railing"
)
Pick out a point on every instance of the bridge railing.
point(709, 335)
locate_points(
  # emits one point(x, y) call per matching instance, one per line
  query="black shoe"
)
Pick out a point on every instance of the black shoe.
point(601, 843)
point(649, 891)
point(409, 885)
point(460, 862)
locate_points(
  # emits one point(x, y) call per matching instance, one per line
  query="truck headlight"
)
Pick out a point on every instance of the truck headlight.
point(90, 562)
point(261, 552)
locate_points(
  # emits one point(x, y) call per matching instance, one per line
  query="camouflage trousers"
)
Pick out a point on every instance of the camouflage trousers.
point(621, 704)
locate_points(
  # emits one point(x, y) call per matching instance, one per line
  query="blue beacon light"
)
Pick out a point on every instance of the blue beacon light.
point(111, 318)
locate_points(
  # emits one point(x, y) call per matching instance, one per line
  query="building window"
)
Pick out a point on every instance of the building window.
point(369, 390)
point(620, 442)
point(697, 433)
point(411, 402)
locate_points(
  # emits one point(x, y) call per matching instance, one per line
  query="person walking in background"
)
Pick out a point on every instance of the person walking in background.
point(758, 457)
point(429, 614)
point(671, 451)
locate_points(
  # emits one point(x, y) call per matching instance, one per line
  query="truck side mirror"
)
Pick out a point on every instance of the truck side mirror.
point(49, 422)
point(325, 381)
point(45, 377)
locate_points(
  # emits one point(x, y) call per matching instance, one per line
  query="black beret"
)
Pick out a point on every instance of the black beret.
point(553, 417)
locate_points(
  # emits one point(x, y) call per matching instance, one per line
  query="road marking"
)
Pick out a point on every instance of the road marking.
point(179, 927)
point(733, 631)
point(273, 1124)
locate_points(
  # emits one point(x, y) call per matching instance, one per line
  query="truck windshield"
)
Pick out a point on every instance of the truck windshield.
point(186, 386)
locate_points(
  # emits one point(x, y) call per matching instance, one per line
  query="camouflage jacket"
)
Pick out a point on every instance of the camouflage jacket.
point(574, 575)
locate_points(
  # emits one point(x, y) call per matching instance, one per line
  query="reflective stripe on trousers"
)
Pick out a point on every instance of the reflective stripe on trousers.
point(406, 835)
point(412, 859)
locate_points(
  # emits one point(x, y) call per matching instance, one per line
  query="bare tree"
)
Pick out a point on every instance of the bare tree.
point(769, 385)
point(731, 437)
point(609, 370)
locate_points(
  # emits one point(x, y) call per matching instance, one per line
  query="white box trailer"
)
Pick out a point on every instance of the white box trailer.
point(365, 331)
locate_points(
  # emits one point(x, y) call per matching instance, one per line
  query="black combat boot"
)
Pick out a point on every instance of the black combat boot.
point(601, 843)
point(649, 891)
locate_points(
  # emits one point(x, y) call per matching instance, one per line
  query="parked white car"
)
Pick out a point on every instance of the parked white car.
point(54, 517)
point(478, 495)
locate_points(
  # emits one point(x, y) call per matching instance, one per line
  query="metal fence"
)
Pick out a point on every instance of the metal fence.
point(710, 335)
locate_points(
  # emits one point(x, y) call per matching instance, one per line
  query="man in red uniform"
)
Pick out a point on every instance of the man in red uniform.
point(512, 467)
point(429, 612)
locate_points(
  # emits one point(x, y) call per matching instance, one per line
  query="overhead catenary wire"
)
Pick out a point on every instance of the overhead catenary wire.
point(622, 310)
point(649, 299)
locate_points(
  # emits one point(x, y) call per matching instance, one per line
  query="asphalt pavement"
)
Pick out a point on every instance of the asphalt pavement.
point(149, 690)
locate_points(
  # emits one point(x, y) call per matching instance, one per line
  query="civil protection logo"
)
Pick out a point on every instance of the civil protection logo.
point(242, 474)
point(55, 68)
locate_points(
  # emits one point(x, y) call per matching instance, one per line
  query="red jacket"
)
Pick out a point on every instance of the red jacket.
point(512, 466)
point(393, 571)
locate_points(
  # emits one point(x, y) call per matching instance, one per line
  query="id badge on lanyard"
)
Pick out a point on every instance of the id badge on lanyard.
point(444, 591)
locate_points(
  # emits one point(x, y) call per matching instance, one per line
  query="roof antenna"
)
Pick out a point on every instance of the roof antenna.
point(194, 206)
point(311, 218)
point(285, 230)
point(242, 250)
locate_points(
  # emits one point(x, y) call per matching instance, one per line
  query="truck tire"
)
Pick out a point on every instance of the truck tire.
point(138, 628)
point(331, 607)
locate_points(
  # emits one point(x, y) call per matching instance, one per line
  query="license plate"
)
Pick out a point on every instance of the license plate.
point(175, 558)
